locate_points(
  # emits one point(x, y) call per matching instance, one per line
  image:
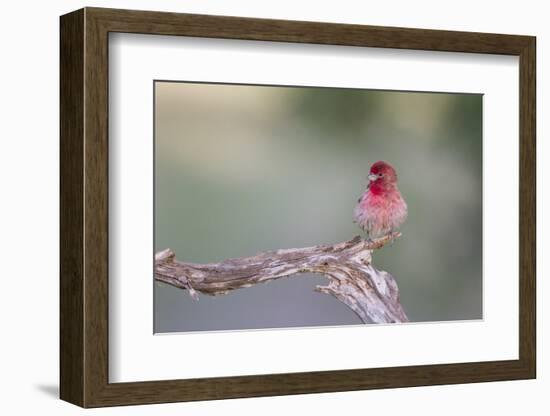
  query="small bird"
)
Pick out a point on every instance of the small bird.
point(381, 209)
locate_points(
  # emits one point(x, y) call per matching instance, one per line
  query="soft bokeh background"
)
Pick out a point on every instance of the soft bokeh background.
point(241, 169)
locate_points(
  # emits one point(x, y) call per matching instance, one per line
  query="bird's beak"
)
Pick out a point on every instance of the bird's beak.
point(372, 177)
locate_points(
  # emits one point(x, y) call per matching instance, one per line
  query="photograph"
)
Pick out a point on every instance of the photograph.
point(305, 206)
point(270, 204)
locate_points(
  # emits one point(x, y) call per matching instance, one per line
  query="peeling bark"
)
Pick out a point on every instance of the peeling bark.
point(352, 279)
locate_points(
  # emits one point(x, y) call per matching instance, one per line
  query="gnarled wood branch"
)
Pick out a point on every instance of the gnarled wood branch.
point(372, 294)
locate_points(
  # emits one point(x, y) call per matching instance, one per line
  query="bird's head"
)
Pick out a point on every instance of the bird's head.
point(382, 176)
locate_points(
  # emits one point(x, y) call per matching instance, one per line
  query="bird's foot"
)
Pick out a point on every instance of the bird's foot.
point(392, 240)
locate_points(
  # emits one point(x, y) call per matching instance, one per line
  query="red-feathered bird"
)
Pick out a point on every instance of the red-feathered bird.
point(381, 209)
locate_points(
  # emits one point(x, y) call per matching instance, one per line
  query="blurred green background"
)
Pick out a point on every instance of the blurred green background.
point(241, 169)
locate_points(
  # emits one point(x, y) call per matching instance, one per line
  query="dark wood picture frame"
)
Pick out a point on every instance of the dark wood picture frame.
point(84, 207)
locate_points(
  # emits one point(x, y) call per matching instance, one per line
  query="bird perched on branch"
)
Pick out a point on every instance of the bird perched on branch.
point(381, 209)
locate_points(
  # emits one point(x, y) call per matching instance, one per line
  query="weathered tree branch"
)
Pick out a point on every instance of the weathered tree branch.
point(372, 294)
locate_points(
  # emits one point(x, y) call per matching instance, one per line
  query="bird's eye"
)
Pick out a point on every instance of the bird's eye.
point(380, 175)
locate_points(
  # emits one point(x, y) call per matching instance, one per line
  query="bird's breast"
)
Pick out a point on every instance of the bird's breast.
point(388, 208)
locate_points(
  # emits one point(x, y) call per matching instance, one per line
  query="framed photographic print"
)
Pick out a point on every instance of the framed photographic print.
point(255, 207)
